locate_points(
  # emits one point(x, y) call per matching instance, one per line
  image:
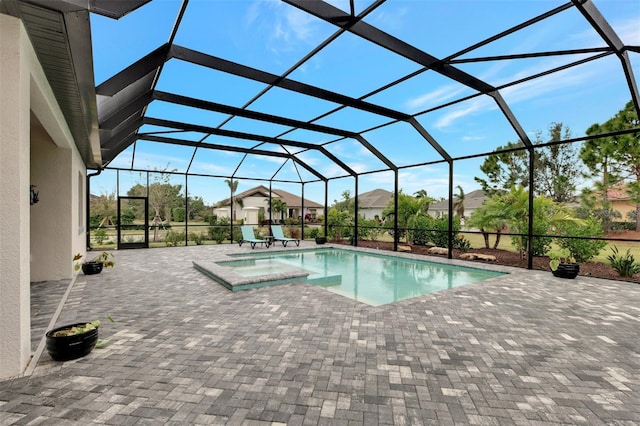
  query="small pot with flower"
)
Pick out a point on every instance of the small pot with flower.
point(563, 264)
point(95, 265)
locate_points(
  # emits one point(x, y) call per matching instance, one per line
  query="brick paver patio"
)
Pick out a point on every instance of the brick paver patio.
point(527, 348)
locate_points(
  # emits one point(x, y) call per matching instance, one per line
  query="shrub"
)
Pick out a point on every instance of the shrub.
point(196, 237)
point(179, 214)
point(373, 227)
point(100, 235)
point(313, 232)
point(419, 233)
point(127, 216)
point(582, 250)
point(172, 239)
point(337, 222)
point(439, 235)
point(625, 264)
point(294, 232)
point(292, 221)
point(94, 220)
point(218, 233)
point(461, 243)
point(540, 245)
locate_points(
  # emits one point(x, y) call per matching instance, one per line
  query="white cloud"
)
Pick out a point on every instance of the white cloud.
point(285, 26)
point(482, 103)
point(628, 30)
point(437, 96)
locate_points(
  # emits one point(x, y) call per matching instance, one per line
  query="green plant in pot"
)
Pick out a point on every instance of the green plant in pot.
point(74, 341)
point(563, 264)
point(95, 265)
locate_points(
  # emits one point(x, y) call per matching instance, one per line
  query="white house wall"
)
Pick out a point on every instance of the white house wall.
point(370, 213)
point(36, 242)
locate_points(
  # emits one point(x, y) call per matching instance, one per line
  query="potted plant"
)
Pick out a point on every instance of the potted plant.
point(320, 239)
point(73, 341)
point(95, 265)
point(563, 264)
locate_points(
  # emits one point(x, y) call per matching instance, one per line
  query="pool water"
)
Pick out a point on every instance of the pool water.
point(370, 278)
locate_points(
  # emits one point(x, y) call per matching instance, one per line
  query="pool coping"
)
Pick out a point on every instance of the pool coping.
point(228, 278)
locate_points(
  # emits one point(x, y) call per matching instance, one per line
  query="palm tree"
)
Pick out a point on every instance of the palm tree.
point(458, 204)
point(421, 193)
point(424, 200)
point(488, 218)
point(279, 206)
point(233, 186)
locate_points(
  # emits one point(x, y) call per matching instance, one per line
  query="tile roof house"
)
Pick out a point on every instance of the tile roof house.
point(472, 201)
point(249, 205)
point(621, 202)
point(371, 204)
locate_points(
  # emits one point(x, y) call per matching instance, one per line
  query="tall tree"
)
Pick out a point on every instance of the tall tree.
point(504, 169)
point(556, 170)
point(558, 167)
point(347, 203)
point(105, 207)
point(619, 153)
point(163, 196)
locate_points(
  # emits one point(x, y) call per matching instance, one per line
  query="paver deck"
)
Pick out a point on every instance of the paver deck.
point(526, 348)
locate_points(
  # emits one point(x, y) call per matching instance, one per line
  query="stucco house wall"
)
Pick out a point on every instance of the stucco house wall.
point(37, 241)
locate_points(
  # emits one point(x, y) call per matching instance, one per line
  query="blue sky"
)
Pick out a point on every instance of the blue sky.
point(273, 36)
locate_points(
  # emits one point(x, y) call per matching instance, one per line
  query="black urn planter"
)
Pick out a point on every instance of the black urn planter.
point(567, 270)
point(321, 240)
point(92, 268)
point(65, 348)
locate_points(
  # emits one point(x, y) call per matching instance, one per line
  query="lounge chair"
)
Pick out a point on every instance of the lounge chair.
point(278, 235)
point(249, 237)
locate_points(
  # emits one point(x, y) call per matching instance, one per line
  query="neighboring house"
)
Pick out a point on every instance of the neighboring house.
point(371, 204)
point(472, 201)
point(620, 202)
point(253, 204)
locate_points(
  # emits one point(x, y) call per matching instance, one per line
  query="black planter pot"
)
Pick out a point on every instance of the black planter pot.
point(91, 268)
point(65, 348)
point(567, 270)
point(321, 240)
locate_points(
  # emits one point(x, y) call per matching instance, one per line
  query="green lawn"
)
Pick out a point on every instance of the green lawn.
point(477, 241)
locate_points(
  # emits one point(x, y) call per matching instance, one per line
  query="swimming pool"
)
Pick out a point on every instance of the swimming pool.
point(374, 279)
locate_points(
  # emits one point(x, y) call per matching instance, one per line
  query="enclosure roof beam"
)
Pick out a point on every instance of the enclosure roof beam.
point(254, 115)
point(254, 74)
point(134, 72)
point(608, 34)
point(128, 129)
point(219, 147)
point(432, 141)
point(212, 106)
point(247, 136)
point(126, 111)
point(515, 124)
point(336, 16)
